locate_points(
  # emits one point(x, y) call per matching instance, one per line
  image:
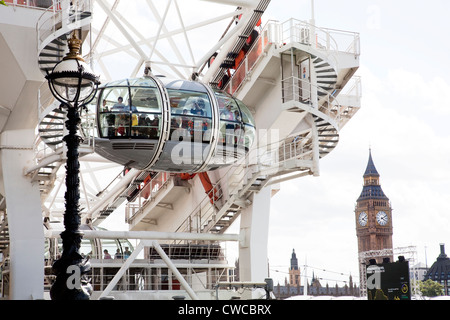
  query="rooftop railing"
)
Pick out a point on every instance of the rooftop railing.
point(327, 41)
point(61, 17)
point(37, 4)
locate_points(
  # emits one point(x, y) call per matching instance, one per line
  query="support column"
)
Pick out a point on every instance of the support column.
point(23, 204)
point(253, 260)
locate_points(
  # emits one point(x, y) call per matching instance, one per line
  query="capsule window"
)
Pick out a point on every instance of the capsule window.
point(145, 100)
point(230, 127)
point(247, 117)
point(109, 248)
point(248, 133)
point(130, 113)
point(115, 99)
point(190, 115)
point(87, 248)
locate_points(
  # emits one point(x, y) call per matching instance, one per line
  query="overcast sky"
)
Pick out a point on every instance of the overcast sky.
point(404, 120)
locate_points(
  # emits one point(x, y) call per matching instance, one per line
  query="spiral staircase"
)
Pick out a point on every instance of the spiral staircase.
point(54, 27)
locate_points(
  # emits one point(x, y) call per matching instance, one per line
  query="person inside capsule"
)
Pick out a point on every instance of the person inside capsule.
point(198, 107)
point(119, 106)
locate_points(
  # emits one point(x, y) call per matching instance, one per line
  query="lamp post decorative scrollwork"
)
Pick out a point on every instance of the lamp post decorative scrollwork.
point(72, 83)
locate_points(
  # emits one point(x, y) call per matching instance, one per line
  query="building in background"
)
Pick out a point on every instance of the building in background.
point(293, 287)
point(373, 216)
point(440, 270)
point(294, 271)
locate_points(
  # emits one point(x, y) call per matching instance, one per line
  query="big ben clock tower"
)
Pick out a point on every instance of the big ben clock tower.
point(373, 215)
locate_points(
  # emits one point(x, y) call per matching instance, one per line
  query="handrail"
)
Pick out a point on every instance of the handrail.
point(253, 56)
point(64, 17)
point(53, 21)
point(326, 39)
point(299, 90)
point(146, 194)
point(293, 30)
point(35, 4)
point(270, 156)
point(45, 100)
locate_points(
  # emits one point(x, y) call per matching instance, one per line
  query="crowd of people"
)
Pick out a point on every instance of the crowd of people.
point(123, 120)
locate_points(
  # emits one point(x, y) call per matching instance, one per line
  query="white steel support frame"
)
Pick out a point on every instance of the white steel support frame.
point(26, 247)
point(164, 257)
point(253, 236)
point(136, 46)
point(316, 150)
point(137, 40)
point(150, 239)
point(254, 229)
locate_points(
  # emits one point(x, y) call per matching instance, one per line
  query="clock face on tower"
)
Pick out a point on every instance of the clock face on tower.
point(382, 218)
point(362, 219)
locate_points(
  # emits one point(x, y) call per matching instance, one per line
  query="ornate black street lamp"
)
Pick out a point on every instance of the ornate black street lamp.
point(74, 85)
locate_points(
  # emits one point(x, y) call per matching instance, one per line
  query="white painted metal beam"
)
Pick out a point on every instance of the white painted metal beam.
point(225, 44)
point(26, 246)
point(174, 269)
point(150, 235)
point(239, 3)
point(165, 258)
point(122, 270)
point(93, 213)
point(122, 29)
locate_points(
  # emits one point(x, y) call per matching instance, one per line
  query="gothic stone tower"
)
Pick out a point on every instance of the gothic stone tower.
point(294, 272)
point(373, 215)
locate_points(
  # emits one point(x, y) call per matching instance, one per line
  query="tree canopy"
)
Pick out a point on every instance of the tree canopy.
point(431, 288)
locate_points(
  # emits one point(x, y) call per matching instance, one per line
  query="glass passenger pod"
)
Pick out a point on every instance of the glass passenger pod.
point(132, 121)
point(236, 129)
point(193, 127)
point(171, 125)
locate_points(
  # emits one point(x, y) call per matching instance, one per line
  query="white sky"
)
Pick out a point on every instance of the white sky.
point(404, 116)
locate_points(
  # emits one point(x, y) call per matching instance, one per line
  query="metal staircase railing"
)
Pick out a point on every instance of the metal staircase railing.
point(4, 231)
point(147, 191)
point(328, 42)
point(216, 212)
point(240, 42)
point(55, 23)
point(295, 31)
point(330, 116)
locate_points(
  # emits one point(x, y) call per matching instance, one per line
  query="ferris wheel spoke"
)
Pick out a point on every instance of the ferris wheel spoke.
point(177, 38)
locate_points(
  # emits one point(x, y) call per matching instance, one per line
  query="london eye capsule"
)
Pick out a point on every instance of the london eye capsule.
point(159, 124)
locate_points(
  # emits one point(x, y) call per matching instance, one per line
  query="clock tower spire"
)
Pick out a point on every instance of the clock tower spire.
point(373, 214)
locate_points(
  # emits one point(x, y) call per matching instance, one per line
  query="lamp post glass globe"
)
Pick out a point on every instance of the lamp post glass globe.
point(73, 81)
point(71, 78)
